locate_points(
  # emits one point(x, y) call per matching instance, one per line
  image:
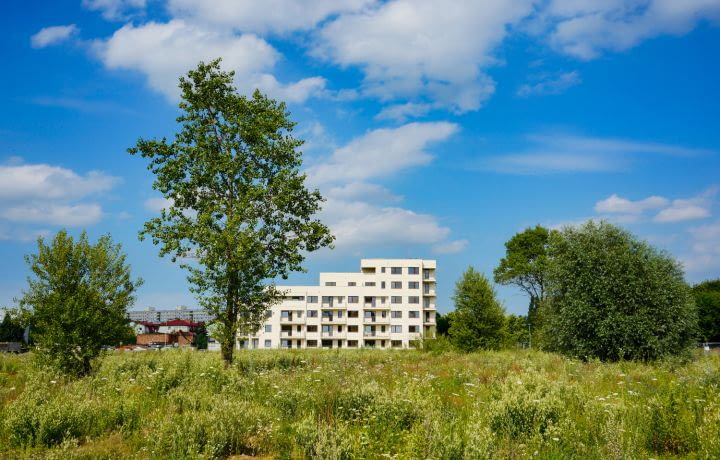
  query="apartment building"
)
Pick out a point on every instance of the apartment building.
point(389, 303)
point(160, 316)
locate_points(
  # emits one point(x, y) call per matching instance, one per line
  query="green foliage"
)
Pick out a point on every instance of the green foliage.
point(361, 404)
point(77, 300)
point(517, 330)
point(11, 329)
point(707, 300)
point(238, 202)
point(614, 297)
point(442, 324)
point(478, 321)
point(526, 264)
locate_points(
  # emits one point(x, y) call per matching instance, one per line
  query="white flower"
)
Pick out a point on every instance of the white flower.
point(556, 439)
point(53, 382)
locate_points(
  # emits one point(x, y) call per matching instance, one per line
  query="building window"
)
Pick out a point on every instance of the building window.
point(369, 283)
point(413, 270)
point(382, 285)
point(413, 285)
point(268, 328)
point(382, 270)
point(352, 283)
point(413, 329)
point(353, 299)
point(268, 344)
point(396, 343)
point(426, 303)
point(285, 314)
point(352, 343)
point(312, 313)
point(413, 299)
point(396, 329)
point(327, 329)
point(312, 328)
point(396, 314)
point(285, 343)
point(330, 283)
point(395, 285)
point(413, 314)
point(327, 299)
point(352, 328)
point(312, 299)
point(352, 314)
point(311, 343)
point(268, 314)
point(396, 299)
point(396, 270)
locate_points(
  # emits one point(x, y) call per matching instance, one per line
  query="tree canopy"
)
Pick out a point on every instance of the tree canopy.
point(612, 296)
point(525, 265)
point(478, 321)
point(707, 299)
point(239, 214)
point(11, 329)
point(77, 300)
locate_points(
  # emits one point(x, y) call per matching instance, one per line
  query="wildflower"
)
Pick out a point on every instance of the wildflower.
point(519, 382)
point(132, 380)
point(601, 399)
point(104, 378)
point(535, 454)
point(53, 382)
point(12, 388)
point(117, 389)
point(148, 388)
point(202, 375)
point(455, 394)
point(556, 439)
point(468, 384)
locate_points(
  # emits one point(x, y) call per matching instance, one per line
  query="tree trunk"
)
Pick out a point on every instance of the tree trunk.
point(227, 347)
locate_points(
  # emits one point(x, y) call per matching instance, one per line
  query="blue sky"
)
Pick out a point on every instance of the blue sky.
point(434, 129)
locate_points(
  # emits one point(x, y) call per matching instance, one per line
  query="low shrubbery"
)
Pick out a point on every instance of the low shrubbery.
point(361, 404)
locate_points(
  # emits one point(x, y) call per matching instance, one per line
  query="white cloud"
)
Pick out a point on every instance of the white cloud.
point(114, 10)
point(705, 253)
point(688, 209)
point(157, 204)
point(46, 194)
point(54, 214)
point(401, 112)
point(615, 204)
point(52, 35)
point(550, 84)
point(586, 28)
point(547, 154)
point(277, 16)
point(165, 51)
point(46, 182)
point(363, 191)
point(423, 49)
point(451, 247)
point(381, 152)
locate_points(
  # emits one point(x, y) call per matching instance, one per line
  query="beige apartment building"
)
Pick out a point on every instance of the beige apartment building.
point(389, 303)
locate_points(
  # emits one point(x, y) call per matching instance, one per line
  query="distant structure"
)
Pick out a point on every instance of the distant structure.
point(152, 315)
point(389, 303)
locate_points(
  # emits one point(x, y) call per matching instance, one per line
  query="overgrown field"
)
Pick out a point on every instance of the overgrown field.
point(361, 404)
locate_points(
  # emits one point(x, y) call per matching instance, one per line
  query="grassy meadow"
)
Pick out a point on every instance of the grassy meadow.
point(361, 404)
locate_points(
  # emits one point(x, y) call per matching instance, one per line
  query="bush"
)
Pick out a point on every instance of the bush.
point(614, 297)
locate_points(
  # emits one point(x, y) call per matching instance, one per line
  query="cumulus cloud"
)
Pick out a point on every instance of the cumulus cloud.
point(115, 10)
point(550, 85)
point(705, 253)
point(46, 194)
point(697, 207)
point(53, 35)
point(401, 112)
point(615, 204)
point(451, 247)
point(423, 49)
point(381, 152)
point(165, 51)
point(586, 28)
point(278, 16)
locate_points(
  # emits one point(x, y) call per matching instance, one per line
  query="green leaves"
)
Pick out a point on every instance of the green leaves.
point(478, 321)
point(612, 297)
point(77, 300)
point(239, 203)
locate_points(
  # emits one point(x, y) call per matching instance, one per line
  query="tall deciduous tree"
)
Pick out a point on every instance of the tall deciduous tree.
point(612, 296)
point(238, 204)
point(478, 321)
point(707, 299)
point(525, 265)
point(77, 300)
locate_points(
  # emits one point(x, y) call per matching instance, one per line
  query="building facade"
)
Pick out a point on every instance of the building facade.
point(390, 303)
point(160, 316)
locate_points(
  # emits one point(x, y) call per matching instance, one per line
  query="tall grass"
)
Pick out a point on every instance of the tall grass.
point(361, 404)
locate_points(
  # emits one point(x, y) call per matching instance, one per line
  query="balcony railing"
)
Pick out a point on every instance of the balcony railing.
point(376, 319)
point(377, 334)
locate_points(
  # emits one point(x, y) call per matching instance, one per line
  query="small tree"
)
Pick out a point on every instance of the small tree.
point(442, 324)
point(525, 265)
point(11, 329)
point(517, 330)
point(237, 200)
point(707, 299)
point(77, 300)
point(612, 297)
point(478, 321)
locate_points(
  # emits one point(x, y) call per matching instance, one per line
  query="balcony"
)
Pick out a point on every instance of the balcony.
point(292, 320)
point(376, 334)
point(332, 335)
point(376, 320)
point(292, 334)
